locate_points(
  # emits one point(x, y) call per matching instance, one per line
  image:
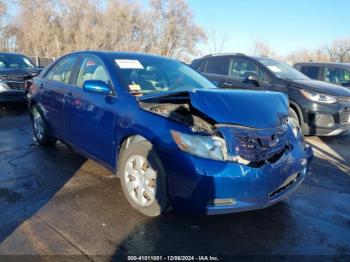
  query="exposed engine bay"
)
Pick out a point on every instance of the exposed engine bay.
point(182, 113)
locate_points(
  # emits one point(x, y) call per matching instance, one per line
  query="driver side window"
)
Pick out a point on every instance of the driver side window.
point(91, 69)
point(240, 68)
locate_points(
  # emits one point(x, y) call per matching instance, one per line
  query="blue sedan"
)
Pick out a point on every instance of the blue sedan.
point(170, 135)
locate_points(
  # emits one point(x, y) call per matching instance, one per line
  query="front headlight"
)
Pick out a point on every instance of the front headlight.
point(3, 86)
point(318, 97)
point(212, 147)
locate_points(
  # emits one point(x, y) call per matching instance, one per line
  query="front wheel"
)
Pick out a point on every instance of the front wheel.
point(294, 117)
point(298, 122)
point(41, 130)
point(143, 178)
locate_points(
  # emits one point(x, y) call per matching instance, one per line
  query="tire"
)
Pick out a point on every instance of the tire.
point(147, 196)
point(304, 128)
point(41, 130)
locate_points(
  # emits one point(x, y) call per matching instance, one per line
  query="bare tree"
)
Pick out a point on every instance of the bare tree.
point(175, 31)
point(51, 28)
point(216, 42)
point(4, 46)
point(35, 27)
point(127, 28)
point(2, 8)
point(54, 27)
point(260, 47)
point(307, 55)
point(339, 50)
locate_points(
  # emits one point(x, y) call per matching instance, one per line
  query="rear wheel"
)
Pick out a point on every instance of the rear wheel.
point(143, 179)
point(41, 130)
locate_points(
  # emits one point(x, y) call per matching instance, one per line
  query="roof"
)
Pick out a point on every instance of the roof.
point(324, 63)
point(10, 53)
point(223, 54)
point(116, 53)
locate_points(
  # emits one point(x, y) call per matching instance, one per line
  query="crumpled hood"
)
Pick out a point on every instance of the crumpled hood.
point(321, 87)
point(258, 109)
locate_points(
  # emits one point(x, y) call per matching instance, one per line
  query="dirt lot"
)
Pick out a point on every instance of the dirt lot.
point(55, 202)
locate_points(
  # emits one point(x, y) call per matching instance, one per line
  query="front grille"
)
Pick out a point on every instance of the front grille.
point(345, 115)
point(256, 145)
point(15, 85)
point(259, 148)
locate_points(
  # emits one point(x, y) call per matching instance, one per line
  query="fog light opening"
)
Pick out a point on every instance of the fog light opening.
point(324, 120)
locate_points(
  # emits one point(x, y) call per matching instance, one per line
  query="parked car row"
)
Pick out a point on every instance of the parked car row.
point(15, 71)
point(336, 73)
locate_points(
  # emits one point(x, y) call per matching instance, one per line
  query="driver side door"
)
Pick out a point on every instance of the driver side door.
point(90, 116)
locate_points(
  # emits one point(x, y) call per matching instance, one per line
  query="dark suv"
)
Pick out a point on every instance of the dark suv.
point(15, 71)
point(336, 73)
point(320, 108)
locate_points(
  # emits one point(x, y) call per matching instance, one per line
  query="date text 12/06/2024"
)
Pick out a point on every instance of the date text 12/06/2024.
point(173, 258)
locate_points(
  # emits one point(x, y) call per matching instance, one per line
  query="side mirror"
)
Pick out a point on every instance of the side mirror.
point(96, 86)
point(252, 78)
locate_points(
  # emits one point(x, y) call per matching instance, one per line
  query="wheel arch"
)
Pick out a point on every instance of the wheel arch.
point(297, 110)
point(123, 144)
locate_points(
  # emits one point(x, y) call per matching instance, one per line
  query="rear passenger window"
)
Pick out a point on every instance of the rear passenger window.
point(92, 69)
point(336, 75)
point(310, 71)
point(62, 71)
point(215, 66)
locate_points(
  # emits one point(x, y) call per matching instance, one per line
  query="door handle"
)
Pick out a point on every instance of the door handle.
point(226, 85)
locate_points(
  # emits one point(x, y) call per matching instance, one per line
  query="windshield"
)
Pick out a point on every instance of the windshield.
point(282, 70)
point(155, 74)
point(13, 61)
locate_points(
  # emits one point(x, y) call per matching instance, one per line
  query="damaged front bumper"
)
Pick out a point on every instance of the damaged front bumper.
point(217, 187)
point(232, 156)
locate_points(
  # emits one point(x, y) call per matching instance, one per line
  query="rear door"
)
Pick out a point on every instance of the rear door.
point(312, 71)
point(214, 69)
point(90, 116)
point(53, 88)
